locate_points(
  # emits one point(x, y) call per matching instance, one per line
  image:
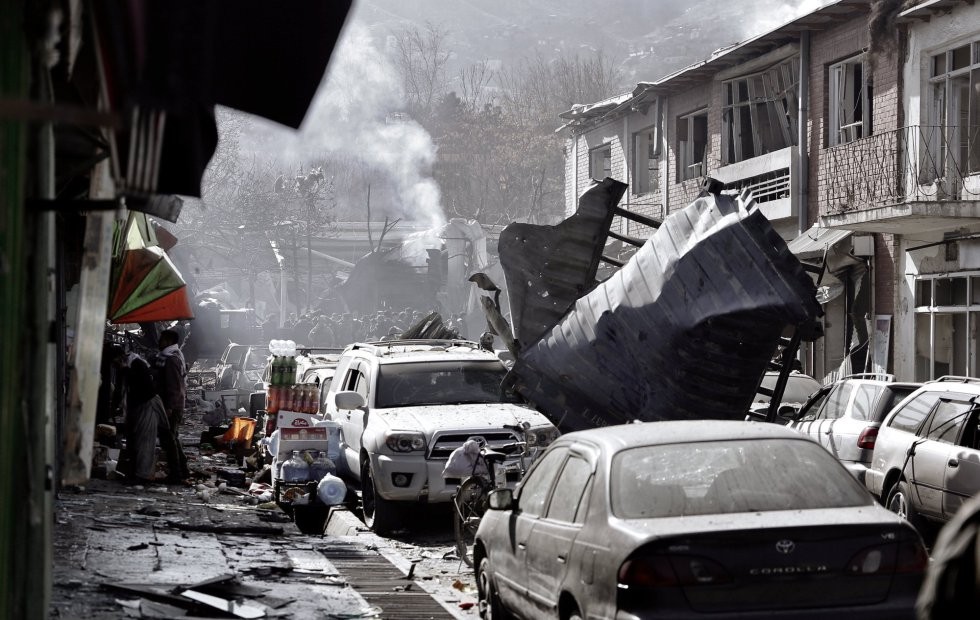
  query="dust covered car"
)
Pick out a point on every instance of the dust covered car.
point(694, 519)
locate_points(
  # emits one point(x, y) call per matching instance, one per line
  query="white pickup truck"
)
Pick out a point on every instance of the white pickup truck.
point(405, 405)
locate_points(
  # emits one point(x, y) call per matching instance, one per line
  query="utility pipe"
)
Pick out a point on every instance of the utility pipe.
point(802, 126)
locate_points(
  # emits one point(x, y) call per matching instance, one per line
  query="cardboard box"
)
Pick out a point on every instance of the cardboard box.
point(293, 419)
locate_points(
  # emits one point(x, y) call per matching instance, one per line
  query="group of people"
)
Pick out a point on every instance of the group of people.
point(155, 393)
point(314, 328)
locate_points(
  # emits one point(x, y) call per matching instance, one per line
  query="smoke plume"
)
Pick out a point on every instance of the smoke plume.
point(355, 114)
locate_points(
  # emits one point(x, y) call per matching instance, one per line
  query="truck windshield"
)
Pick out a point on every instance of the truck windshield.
point(441, 383)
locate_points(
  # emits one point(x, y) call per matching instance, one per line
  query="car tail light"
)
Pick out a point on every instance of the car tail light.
point(902, 557)
point(867, 438)
point(912, 557)
point(661, 571)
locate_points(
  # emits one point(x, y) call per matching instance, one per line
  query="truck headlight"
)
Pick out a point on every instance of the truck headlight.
point(541, 436)
point(405, 442)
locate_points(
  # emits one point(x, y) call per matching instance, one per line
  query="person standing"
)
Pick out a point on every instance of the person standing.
point(146, 422)
point(171, 381)
point(171, 376)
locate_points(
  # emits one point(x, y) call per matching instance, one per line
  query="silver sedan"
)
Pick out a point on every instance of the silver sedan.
point(693, 519)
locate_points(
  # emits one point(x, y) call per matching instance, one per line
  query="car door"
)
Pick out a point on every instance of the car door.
point(809, 419)
point(549, 556)
point(352, 421)
point(963, 467)
point(934, 453)
point(509, 561)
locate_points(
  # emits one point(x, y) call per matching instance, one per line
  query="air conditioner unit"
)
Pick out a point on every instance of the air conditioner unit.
point(863, 245)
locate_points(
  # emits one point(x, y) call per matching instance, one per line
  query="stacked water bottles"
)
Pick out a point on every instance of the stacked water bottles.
point(304, 467)
point(284, 394)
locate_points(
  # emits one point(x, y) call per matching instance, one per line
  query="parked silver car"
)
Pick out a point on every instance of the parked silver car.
point(926, 460)
point(844, 416)
point(798, 389)
point(691, 519)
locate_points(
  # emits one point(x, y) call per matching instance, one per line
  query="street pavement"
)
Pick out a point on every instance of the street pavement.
point(133, 551)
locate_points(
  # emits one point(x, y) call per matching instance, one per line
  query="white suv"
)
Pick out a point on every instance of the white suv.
point(926, 459)
point(405, 405)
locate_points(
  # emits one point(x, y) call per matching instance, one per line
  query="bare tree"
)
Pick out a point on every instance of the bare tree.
point(421, 56)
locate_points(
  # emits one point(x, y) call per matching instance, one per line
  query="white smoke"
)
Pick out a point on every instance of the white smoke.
point(355, 114)
point(766, 16)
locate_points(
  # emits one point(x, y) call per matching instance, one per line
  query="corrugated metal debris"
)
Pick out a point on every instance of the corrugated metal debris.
point(685, 329)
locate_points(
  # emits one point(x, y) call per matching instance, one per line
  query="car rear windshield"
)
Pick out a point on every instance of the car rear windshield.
point(718, 477)
point(441, 383)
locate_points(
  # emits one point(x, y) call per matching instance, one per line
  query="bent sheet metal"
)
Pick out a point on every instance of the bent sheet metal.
point(684, 330)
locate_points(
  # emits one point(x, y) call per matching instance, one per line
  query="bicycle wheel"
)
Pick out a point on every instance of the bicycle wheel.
point(470, 503)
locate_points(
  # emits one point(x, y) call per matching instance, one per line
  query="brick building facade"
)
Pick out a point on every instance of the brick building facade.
point(883, 176)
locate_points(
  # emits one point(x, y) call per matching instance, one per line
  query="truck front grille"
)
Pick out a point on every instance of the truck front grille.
point(444, 443)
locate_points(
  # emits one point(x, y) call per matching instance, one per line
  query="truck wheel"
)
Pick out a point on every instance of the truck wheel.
point(379, 513)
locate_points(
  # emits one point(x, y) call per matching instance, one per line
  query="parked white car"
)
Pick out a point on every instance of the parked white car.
point(405, 405)
point(926, 459)
point(844, 417)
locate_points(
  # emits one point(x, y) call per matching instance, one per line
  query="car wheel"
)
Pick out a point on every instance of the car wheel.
point(899, 502)
point(574, 614)
point(489, 603)
point(379, 513)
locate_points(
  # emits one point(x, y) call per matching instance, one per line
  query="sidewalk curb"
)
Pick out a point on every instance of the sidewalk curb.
point(341, 522)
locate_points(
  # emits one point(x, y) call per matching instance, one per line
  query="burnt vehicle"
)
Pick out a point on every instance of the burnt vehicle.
point(685, 329)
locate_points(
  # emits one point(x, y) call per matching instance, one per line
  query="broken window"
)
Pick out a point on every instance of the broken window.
point(850, 101)
point(600, 162)
point(953, 148)
point(760, 112)
point(646, 149)
point(692, 146)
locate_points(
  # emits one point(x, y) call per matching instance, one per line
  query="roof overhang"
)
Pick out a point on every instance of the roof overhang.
point(925, 10)
point(816, 240)
point(908, 218)
point(726, 58)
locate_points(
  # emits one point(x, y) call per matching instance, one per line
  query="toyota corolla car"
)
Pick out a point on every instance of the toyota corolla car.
point(694, 519)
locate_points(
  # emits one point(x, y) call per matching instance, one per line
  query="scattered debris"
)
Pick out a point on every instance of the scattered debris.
point(235, 608)
point(227, 529)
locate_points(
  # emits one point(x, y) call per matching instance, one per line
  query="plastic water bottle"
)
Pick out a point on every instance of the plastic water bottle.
point(321, 466)
point(296, 469)
point(331, 490)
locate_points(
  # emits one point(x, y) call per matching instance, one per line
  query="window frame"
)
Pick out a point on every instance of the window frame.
point(956, 155)
point(932, 310)
point(601, 153)
point(646, 159)
point(779, 84)
point(563, 453)
point(686, 147)
point(835, 131)
point(583, 492)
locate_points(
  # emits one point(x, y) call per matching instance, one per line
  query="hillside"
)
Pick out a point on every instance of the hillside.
point(645, 38)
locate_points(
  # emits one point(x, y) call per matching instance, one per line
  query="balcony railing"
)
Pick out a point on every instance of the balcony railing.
point(910, 164)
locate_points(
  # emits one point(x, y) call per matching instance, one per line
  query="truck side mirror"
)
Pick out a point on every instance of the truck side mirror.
point(348, 400)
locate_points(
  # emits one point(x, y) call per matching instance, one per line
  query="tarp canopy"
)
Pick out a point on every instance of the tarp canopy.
point(146, 285)
point(167, 64)
point(815, 240)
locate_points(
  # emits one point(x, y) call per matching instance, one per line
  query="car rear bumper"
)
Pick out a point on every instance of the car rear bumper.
point(858, 469)
point(903, 611)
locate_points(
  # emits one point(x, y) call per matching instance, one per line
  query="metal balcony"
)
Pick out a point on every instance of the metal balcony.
point(918, 163)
